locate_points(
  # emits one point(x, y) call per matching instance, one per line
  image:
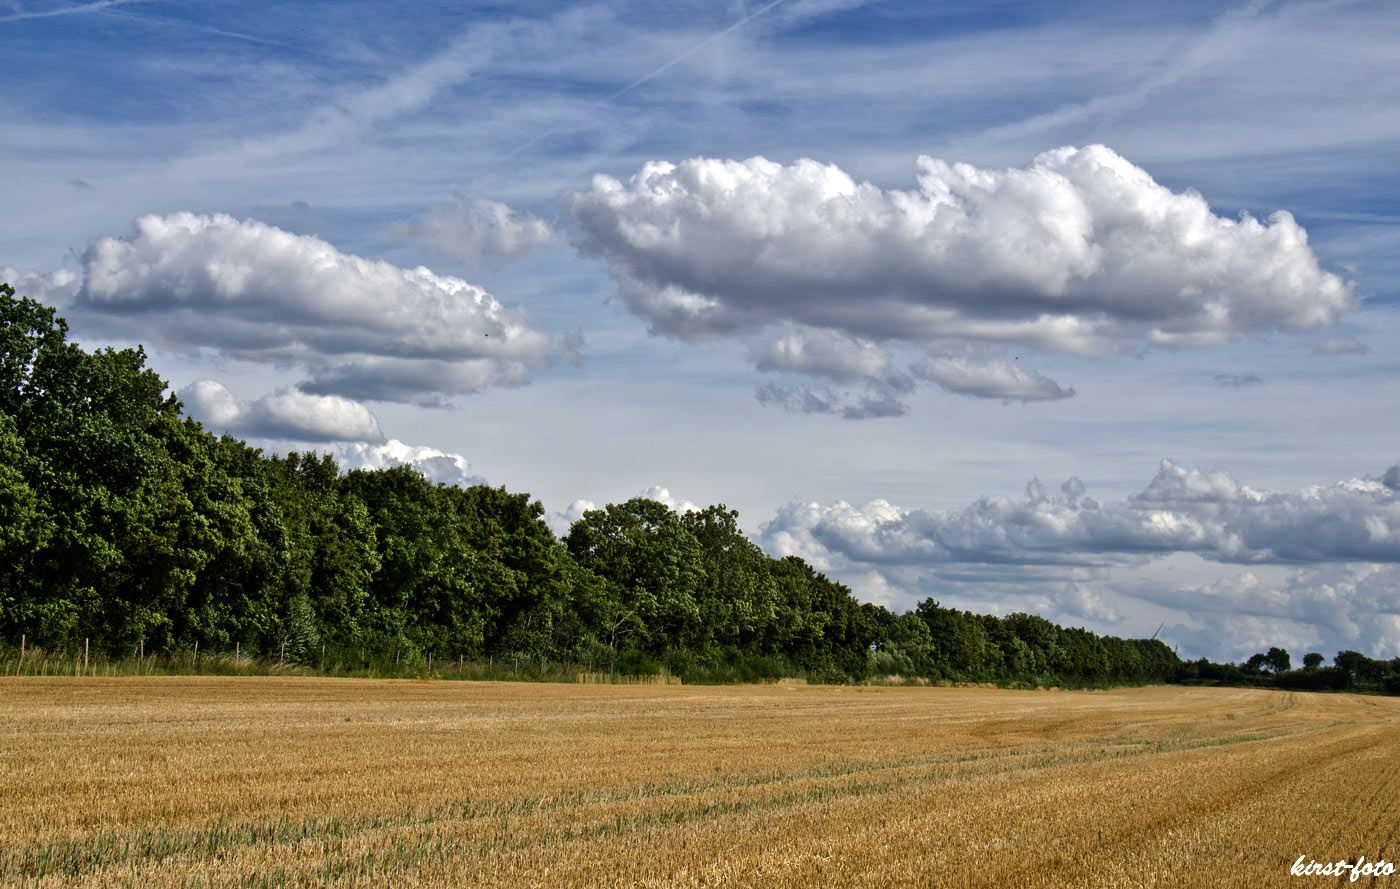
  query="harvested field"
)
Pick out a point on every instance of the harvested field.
point(307, 782)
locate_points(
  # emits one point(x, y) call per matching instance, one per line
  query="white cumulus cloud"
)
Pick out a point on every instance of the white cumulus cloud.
point(52, 288)
point(288, 413)
point(560, 521)
point(663, 496)
point(472, 230)
point(1327, 608)
point(438, 466)
point(292, 420)
point(1322, 564)
point(819, 352)
point(1080, 251)
point(1182, 510)
point(878, 398)
point(362, 328)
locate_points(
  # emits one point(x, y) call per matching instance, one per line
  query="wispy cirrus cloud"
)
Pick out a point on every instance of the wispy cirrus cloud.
point(81, 9)
point(1237, 381)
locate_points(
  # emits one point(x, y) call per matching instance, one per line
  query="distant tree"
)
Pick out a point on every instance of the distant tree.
point(1256, 664)
point(1312, 660)
point(1084, 657)
point(1352, 663)
point(1278, 660)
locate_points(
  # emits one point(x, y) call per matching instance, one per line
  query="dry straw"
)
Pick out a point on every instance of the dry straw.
point(213, 781)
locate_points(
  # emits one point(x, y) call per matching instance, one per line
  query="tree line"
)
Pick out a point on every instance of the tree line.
point(1349, 670)
point(124, 522)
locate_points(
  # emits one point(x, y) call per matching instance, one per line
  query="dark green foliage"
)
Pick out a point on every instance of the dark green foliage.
point(1351, 671)
point(1356, 666)
point(1324, 679)
point(97, 486)
point(1024, 648)
point(1255, 665)
point(696, 594)
point(651, 570)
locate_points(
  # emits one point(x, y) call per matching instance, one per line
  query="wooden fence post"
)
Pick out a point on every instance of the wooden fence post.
point(237, 652)
point(196, 654)
point(85, 653)
point(21, 648)
point(281, 654)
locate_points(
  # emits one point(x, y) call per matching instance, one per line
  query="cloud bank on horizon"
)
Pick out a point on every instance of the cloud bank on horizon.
point(1043, 552)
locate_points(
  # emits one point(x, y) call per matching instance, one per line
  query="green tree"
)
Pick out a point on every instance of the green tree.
point(523, 570)
point(652, 568)
point(94, 429)
point(24, 527)
point(736, 597)
point(1359, 668)
point(909, 636)
point(424, 597)
point(331, 557)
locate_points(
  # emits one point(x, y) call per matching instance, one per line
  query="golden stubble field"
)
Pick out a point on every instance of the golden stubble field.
point(164, 782)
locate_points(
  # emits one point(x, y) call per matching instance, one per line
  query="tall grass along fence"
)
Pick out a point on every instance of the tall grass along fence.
point(92, 659)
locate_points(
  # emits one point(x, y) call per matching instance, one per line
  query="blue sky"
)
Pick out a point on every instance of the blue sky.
point(954, 300)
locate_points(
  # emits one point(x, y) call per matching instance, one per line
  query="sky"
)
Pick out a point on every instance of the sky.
point(1050, 307)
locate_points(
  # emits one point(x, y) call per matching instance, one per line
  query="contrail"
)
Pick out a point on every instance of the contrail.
point(205, 29)
point(68, 10)
point(694, 49)
point(107, 4)
point(663, 69)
